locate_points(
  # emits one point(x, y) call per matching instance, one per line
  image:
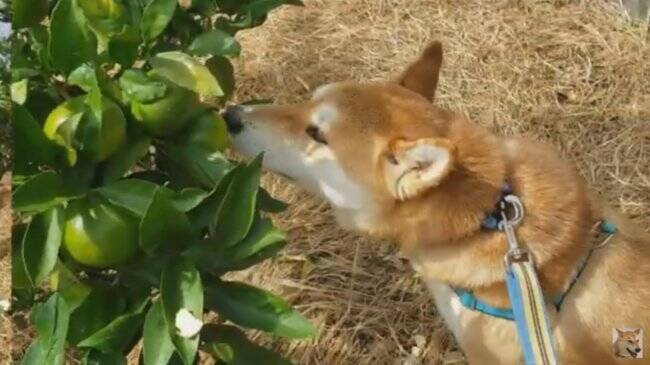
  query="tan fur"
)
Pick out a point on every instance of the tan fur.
point(439, 227)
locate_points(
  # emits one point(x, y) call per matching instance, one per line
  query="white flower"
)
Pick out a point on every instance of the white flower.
point(186, 324)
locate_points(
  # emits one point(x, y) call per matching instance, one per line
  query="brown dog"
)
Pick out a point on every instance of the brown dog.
point(395, 166)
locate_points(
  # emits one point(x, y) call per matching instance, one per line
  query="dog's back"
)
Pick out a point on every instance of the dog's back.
point(613, 292)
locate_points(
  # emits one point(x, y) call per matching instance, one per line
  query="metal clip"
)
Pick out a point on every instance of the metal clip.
point(515, 252)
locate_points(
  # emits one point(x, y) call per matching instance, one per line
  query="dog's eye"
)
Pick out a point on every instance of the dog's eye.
point(316, 134)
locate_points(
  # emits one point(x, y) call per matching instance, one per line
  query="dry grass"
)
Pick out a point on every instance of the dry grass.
point(574, 73)
point(5, 265)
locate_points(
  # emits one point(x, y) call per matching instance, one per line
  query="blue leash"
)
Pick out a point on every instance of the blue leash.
point(526, 297)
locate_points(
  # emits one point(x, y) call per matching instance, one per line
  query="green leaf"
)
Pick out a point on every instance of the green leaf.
point(71, 41)
point(163, 225)
point(237, 209)
point(123, 47)
point(106, 17)
point(215, 42)
point(84, 131)
point(84, 77)
point(135, 195)
point(157, 343)
point(100, 307)
point(262, 235)
point(39, 38)
point(180, 289)
point(31, 146)
point(19, 92)
point(35, 354)
point(132, 194)
point(222, 70)
point(136, 147)
point(189, 198)
point(19, 278)
point(267, 203)
point(193, 164)
point(259, 8)
point(155, 18)
point(89, 132)
point(204, 7)
point(252, 307)
point(118, 334)
point(94, 357)
point(230, 345)
point(206, 212)
point(27, 13)
point(41, 243)
point(187, 72)
point(41, 193)
point(137, 86)
point(69, 287)
point(51, 322)
point(262, 242)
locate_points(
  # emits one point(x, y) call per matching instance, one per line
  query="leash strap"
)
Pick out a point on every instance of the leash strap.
point(525, 292)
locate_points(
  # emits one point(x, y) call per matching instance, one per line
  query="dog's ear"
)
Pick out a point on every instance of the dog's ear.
point(422, 76)
point(412, 167)
point(637, 331)
point(619, 332)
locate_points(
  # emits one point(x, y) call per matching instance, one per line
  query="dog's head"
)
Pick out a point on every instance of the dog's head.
point(628, 343)
point(356, 144)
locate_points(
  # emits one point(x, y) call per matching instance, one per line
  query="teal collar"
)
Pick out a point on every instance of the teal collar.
point(470, 301)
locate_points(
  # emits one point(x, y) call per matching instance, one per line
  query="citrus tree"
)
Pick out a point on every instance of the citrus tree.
point(129, 213)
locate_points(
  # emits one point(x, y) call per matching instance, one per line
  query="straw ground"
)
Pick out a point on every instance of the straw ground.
point(574, 73)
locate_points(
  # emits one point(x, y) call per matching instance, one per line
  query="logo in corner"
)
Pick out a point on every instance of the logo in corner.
point(628, 343)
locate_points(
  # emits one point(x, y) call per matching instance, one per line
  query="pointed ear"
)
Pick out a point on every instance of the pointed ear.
point(412, 167)
point(636, 331)
point(619, 332)
point(422, 76)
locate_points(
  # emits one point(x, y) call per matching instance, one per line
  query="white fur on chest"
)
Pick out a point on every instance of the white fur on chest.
point(484, 339)
point(449, 307)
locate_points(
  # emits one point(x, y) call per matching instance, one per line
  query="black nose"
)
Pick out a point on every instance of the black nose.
point(637, 350)
point(233, 117)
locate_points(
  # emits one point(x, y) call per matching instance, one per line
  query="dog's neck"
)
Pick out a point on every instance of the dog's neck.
point(440, 231)
point(454, 210)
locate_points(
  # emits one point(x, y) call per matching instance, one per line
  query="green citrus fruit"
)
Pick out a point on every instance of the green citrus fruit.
point(208, 131)
point(99, 234)
point(113, 133)
point(168, 115)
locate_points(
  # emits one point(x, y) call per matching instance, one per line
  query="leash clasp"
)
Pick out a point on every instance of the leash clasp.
point(515, 252)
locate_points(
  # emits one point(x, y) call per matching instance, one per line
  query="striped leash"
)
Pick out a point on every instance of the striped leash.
point(525, 292)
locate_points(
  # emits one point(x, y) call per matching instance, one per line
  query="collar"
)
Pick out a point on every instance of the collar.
point(491, 222)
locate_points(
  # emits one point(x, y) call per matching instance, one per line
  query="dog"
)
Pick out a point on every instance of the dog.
point(394, 165)
point(628, 343)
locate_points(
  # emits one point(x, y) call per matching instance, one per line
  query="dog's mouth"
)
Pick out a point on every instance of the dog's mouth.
point(632, 353)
